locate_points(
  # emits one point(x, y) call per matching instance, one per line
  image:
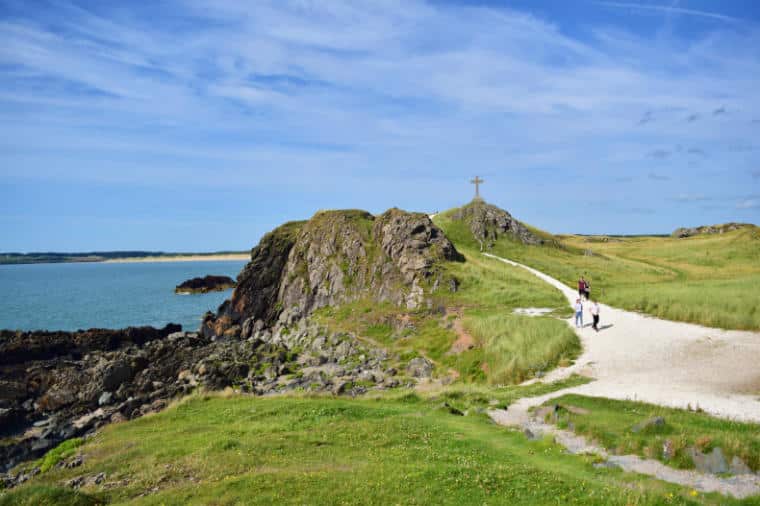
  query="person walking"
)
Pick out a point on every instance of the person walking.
point(581, 287)
point(594, 310)
point(587, 290)
point(578, 313)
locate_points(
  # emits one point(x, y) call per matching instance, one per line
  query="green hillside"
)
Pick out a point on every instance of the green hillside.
point(399, 449)
point(711, 280)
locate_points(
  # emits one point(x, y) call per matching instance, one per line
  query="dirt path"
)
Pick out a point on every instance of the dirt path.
point(464, 341)
point(673, 364)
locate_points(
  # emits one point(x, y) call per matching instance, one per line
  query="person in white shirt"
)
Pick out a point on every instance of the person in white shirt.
point(578, 313)
point(594, 310)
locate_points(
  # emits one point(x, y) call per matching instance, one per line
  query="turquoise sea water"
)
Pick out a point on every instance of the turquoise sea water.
point(107, 295)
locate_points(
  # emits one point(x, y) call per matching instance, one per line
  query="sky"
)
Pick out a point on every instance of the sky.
point(199, 125)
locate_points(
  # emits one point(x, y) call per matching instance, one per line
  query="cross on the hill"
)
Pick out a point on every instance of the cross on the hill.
point(477, 181)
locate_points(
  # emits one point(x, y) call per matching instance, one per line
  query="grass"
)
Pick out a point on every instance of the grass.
point(59, 453)
point(710, 279)
point(290, 450)
point(610, 422)
point(508, 348)
point(517, 348)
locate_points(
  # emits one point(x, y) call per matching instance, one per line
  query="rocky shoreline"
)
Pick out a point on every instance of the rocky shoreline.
point(57, 385)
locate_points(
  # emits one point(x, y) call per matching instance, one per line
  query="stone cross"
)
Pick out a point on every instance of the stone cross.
point(477, 181)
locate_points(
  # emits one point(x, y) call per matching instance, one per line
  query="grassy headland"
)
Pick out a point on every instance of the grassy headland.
point(706, 279)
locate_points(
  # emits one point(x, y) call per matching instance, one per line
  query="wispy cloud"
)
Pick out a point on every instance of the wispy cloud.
point(748, 204)
point(696, 151)
point(659, 154)
point(719, 111)
point(670, 9)
point(339, 101)
point(690, 197)
point(646, 118)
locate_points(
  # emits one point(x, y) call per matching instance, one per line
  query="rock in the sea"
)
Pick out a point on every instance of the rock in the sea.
point(205, 284)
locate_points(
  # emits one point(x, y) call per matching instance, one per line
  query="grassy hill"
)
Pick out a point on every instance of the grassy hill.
point(392, 449)
point(711, 280)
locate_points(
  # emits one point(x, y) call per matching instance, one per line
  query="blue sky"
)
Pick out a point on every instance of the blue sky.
point(198, 125)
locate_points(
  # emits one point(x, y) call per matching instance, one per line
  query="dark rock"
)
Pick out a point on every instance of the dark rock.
point(205, 284)
point(115, 375)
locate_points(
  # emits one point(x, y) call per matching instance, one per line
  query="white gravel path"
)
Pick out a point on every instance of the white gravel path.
point(638, 357)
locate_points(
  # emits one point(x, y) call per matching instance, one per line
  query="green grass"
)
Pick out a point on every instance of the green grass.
point(516, 348)
point(610, 422)
point(711, 279)
point(287, 450)
point(59, 453)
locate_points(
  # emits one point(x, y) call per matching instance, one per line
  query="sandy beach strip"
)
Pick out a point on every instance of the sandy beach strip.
point(182, 258)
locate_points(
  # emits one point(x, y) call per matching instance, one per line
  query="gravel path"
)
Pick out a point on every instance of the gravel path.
point(638, 357)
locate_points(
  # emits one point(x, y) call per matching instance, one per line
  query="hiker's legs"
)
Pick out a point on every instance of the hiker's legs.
point(579, 319)
point(596, 322)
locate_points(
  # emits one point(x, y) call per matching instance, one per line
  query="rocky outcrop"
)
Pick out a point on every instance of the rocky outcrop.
point(107, 376)
point(205, 284)
point(334, 258)
point(489, 223)
point(709, 229)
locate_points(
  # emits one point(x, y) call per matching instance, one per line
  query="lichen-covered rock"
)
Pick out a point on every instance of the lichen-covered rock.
point(709, 229)
point(488, 223)
point(334, 258)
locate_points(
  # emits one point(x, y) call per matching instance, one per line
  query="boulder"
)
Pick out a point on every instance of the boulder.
point(739, 467)
point(713, 462)
point(420, 368)
point(116, 374)
point(205, 284)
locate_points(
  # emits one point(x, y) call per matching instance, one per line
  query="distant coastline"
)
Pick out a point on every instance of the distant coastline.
point(119, 257)
point(183, 258)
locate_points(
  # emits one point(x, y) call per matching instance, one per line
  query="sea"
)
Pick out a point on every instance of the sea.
point(72, 296)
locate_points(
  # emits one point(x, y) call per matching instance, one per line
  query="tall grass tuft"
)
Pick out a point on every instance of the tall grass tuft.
point(516, 348)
